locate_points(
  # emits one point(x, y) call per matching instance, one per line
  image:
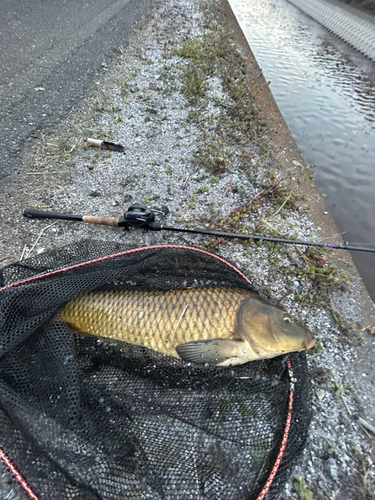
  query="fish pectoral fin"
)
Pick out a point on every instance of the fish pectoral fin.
point(213, 351)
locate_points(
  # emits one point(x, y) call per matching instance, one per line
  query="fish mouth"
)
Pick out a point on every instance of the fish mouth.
point(308, 344)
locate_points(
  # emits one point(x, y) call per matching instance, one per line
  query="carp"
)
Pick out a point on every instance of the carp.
point(217, 325)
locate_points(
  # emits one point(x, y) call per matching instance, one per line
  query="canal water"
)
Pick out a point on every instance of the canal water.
point(325, 91)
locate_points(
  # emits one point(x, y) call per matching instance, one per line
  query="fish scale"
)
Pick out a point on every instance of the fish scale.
point(159, 320)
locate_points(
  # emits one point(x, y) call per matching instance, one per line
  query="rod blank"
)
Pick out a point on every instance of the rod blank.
point(344, 246)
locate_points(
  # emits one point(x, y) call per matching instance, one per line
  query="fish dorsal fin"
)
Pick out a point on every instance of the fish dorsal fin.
point(213, 351)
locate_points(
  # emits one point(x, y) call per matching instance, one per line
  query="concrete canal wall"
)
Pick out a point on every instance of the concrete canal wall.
point(355, 26)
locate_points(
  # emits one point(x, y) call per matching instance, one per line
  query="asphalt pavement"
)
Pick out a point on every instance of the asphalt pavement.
point(50, 54)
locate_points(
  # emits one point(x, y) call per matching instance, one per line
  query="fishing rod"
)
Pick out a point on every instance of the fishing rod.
point(141, 216)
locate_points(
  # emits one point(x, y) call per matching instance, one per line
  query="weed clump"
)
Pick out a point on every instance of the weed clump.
point(214, 55)
point(195, 85)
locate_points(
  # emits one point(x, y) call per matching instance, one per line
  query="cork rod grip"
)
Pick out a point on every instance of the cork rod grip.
point(105, 221)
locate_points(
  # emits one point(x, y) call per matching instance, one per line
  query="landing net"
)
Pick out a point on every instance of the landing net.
point(87, 418)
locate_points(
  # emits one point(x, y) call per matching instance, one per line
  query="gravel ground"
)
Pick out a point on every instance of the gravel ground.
point(201, 146)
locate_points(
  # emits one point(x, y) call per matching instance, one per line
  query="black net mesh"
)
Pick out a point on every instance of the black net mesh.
point(89, 418)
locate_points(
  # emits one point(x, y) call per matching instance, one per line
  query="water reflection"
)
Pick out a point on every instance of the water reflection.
point(326, 93)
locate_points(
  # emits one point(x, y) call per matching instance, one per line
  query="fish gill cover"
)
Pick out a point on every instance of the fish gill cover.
point(83, 417)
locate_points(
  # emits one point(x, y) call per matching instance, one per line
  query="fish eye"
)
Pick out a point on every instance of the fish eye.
point(287, 320)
